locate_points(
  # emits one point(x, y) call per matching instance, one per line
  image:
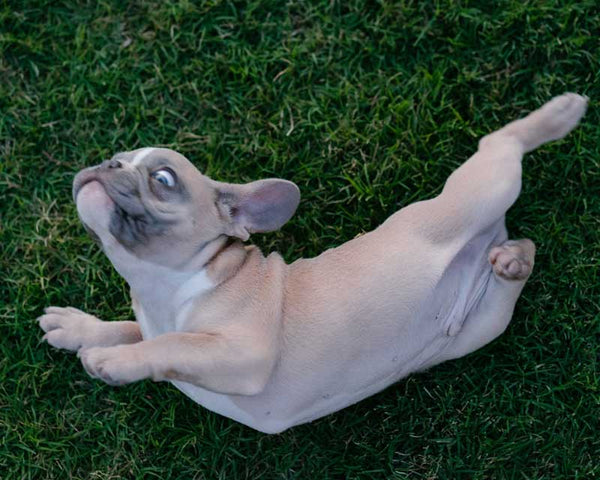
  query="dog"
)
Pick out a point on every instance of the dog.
point(273, 345)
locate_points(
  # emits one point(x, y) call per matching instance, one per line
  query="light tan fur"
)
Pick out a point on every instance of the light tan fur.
point(274, 345)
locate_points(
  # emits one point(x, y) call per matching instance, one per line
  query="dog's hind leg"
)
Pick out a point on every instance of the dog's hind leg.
point(481, 190)
point(512, 263)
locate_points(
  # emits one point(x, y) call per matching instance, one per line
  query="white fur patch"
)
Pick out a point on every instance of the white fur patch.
point(182, 315)
point(143, 153)
point(190, 289)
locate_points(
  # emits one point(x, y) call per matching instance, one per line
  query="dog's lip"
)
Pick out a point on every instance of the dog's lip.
point(83, 178)
point(93, 174)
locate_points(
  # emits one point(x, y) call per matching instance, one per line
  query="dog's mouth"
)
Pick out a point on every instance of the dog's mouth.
point(126, 202)
point(131, 222)
point(83, 178)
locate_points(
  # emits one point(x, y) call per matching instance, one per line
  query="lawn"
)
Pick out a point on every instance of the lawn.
point(367, 106)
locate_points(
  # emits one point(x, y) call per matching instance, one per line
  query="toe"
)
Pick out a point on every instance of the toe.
point(514, 267)
point(55, 310)
point(60, 338)
point(52, 321)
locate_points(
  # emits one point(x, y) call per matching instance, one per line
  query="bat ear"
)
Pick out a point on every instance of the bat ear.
point(261, 206)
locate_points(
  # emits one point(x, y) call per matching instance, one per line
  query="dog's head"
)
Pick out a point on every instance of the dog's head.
point(158, 206)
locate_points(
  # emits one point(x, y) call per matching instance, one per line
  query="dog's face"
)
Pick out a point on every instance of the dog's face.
point(154, 203)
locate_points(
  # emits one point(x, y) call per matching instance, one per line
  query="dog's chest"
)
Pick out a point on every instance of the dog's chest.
point(163, 305)
point(152, 321)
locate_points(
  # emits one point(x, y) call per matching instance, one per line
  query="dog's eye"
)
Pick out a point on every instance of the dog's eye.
point(164, 176)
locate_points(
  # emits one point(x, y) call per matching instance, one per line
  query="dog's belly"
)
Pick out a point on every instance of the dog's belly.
point(219, 403)
point(341, 372)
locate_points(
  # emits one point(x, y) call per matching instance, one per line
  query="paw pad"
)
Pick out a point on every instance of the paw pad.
point(513, 260)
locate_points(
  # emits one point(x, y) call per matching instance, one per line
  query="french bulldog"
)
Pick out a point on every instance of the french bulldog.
point(273, 345)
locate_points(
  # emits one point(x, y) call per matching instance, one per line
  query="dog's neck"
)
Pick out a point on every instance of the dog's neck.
point(215, 263)
point(227, 261)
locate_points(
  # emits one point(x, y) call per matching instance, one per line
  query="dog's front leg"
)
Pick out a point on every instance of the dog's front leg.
point(229, 364)
point(72, 329)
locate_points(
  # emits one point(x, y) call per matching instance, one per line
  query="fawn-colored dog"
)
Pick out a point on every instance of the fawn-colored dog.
point(274, 345)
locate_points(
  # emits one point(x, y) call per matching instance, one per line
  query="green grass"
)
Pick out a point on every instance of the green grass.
point(367, 106)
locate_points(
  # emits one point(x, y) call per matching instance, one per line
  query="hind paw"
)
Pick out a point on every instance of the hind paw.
point(560, 115)
point(513, 260)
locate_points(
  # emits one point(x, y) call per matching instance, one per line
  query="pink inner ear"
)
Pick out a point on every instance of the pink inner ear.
point(268, 205)
point(263, 198)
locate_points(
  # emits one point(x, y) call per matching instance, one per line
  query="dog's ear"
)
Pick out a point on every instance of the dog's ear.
point(261, 206)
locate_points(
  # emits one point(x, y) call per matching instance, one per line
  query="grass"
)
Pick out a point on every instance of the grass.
point(367, 106)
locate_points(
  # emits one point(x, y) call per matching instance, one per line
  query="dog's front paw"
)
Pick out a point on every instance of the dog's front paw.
point(114, 365)
point(69, 328)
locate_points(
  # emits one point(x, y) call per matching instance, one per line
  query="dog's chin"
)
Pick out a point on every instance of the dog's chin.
point(94, 206)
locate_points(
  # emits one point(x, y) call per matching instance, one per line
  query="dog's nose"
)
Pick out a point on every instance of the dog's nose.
point(112, 164)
